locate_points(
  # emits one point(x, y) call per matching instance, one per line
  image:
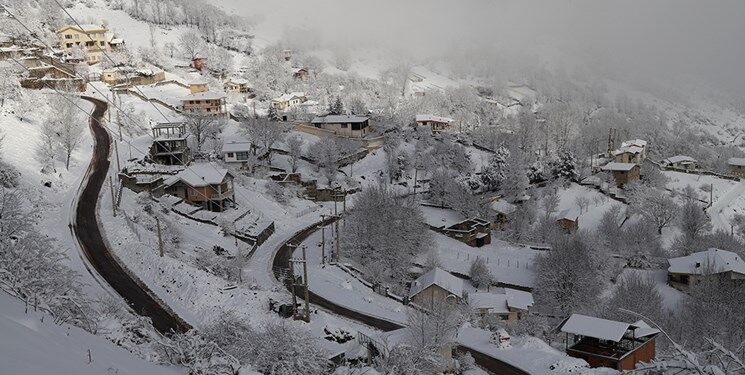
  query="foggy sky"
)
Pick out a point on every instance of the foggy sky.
point(674, 40)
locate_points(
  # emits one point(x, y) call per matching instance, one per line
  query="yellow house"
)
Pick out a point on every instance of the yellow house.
point(93, 39)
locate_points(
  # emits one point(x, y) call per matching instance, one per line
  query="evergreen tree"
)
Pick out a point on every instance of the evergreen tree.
point(337, 107)
point(564, 166)
point(273, 115)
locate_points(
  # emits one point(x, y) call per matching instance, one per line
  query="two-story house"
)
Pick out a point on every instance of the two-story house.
point(92, 39)
point(204, 102)
point(204, 185)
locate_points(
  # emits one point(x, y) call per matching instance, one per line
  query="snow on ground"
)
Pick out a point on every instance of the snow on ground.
point(333, 283)
point(527, 353)
point(33, 344)
point(728, 195)
point(508, 263)
point(598, 204)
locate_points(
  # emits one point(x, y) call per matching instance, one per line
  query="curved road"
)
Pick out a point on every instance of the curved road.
point(281, 265)
point(86, 230)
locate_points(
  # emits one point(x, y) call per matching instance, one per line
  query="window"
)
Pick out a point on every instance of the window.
point(193, 192)
point(344, 126)
point(77, 36)
point(230, 154)
point(102, 43)
point(69, 45)
point(68, 36)
point(243, 155)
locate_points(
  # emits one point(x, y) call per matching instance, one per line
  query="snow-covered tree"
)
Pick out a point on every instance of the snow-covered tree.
point(273, 114)
point(68, 124)
point(294, 150)
point(564, 167)
point(337, 107)
point(480, 274)
point(10, 87)
point(323, 152)
point(567, 276)
point(638, 293)
point(384, 231)
point(655, 205)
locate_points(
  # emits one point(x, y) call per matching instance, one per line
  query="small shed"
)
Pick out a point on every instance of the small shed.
point(436, 286)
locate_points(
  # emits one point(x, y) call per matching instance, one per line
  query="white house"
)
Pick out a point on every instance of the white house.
point(437, 123)
point(503, 303)
point(236, 151)
point(286, 101)
point(681, 162)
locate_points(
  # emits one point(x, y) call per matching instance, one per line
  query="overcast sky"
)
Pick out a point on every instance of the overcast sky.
point(672, 39)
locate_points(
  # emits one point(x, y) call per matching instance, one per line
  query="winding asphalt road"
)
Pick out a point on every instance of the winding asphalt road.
point(281, 266)
point(86, 230)
point(142, 300)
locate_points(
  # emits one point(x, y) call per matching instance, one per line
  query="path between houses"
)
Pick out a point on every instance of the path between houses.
point(716, 211)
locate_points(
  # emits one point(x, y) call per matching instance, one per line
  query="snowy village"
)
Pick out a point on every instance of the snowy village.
point(245, 187)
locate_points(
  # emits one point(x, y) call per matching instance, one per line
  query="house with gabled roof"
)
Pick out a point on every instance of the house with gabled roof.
point(345, 125)
point(203, 184)
point(680, 162)
point(568, 219)
point(438, 124)
point(504, 304)
point(203, 102)
point(737, 166)
point(608, 343)
point(436, 286)
point(689, 270)
point(289, 100)
point(623, 173)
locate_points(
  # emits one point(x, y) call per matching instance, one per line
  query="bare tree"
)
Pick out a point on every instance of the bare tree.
point(191, 44)
point(294, 150)
point(69, 125)
point(659, 208)
point(202, 127)
point(264, 133)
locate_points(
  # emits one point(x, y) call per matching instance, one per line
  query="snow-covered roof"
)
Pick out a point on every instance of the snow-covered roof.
point(437, 276)
point(290, 96)
point(623, 167)
point(740, 162)
point(116, 40)
point(84, 27)
point(503, 206)
point(206, 95)
point(501, 300)
point(711, 260)
point(236, 146)
point(628, 149)
point(339, 119)
point(432, 118)
point(237, 81)
point(679, 159)
point(634, 142)
point(571, 214)
point(199, 175)
point(598, 328)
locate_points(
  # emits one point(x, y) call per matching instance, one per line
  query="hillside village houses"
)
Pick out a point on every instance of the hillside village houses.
point(568, 219)
point(436, 123)
point(608, 343)
point(170, 144)
point(345, 125)
point(434, 287)
point(286, 101)
point(689, 270)
point(93, 39)
point(503, 304)
point(201, 101)
point(737, 166)
point(202, 184)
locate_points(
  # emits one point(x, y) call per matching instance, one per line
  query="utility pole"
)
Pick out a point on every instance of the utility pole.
point(116, 149)
point(160, 238)
point(113, 200)
point(344, 204)
point(416, 169)
point(305, 282)
point(323, 239)
point(292, 284)
point(336, 225)
point(335, 196)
